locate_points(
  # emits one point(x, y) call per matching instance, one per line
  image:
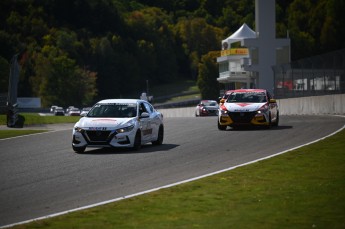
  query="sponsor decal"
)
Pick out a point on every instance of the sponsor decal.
point(117, 104)
point(103, 120)
point(97, 128)
point(241, 110)
point(223, 107)
point(243, 104)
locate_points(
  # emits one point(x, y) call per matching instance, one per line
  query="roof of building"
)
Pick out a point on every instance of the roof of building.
point(243, 32)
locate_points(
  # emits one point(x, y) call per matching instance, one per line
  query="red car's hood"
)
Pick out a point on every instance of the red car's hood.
point(243, 107)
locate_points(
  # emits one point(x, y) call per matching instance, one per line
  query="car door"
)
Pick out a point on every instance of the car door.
point(145, 123)
point(155, 121)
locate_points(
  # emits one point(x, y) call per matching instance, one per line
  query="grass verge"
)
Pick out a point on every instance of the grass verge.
point(36, 119)
point(33, 119)
point(304, 188)
point(15, 133)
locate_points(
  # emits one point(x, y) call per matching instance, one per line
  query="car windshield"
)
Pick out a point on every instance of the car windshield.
point(209, 103)
point(113, 110)
point(247, 97)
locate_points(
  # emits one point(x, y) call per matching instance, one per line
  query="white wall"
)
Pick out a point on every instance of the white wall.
point(315, 105)
point(326, 104)
point(29, 102)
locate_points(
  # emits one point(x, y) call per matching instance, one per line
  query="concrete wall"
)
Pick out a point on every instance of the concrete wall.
point(178, 112)
point(327, 104)
point(29, 102)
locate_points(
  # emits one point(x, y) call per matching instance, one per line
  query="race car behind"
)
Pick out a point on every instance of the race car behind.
point(248, 107)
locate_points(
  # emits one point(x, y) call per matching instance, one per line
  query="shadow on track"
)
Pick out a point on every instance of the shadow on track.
point(256, 128)
point(147, 148)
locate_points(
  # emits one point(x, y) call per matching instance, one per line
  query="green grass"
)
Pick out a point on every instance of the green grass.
point(177, 87)
point(304, 188)
point(15, 133)
point(183, 98)
point(178, 90)
point(33, 119)
point(36, 119)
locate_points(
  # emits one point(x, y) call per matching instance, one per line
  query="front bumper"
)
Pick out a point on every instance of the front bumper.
point(92, 138)
point(244, 118)
point(208, 112)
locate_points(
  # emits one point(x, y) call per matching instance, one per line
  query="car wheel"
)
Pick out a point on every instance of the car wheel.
point(269, 121)
point(276, 123)
point(160, 136)
point(78, 149)
point(137, 141)
point(221, 127)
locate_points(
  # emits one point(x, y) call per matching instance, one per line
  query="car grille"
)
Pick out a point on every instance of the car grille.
point(242, 117)
point(97, 135)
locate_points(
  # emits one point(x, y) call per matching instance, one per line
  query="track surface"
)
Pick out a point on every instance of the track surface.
point(41, 175)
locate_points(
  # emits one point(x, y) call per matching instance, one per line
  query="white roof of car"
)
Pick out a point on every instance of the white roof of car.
point(121, 101)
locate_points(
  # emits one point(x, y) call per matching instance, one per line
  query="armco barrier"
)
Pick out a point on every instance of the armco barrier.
point(315, 105)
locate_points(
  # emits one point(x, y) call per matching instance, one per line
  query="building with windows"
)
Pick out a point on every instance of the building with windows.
point(247, 56)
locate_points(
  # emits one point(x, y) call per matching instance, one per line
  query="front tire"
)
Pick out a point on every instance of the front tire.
point(276, 123)
point(137, 141)
point(78, 149)
point(269, 122)
point(221, 127)
point(160, 136)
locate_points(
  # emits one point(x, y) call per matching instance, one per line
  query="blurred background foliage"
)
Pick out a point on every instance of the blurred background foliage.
point(74, 52)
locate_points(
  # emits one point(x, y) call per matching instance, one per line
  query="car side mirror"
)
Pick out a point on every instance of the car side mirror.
point(144, 115)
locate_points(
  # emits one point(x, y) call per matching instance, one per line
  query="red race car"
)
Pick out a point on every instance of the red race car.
point(207, 108)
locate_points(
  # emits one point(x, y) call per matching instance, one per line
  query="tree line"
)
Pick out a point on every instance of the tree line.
point(79, 51)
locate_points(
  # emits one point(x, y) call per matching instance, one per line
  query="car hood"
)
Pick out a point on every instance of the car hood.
point(107, 123)
point(243, 107)
point(211, 107)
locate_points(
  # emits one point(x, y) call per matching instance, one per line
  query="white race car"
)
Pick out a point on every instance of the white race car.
point(248, 107)
point(118, 123)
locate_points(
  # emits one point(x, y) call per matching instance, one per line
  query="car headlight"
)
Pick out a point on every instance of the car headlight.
point(125, 129)
point(224, 111)
point(78, 129)
point(263, 109)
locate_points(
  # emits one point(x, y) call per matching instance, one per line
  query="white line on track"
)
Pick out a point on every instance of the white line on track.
point(169, 185)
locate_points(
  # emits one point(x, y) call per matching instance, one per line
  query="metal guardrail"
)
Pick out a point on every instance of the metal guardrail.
point(314, 76)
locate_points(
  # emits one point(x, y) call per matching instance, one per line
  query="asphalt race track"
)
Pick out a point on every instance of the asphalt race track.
point(41, 175)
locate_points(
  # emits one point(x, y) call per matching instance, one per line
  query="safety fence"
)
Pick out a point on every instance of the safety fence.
point(313, 76)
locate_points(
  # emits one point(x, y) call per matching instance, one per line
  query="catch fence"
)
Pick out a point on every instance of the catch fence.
point(317, 75)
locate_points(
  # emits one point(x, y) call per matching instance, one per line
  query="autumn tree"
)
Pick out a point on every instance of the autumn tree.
point(198, 38)
point(208, 74)
point(58, 80)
